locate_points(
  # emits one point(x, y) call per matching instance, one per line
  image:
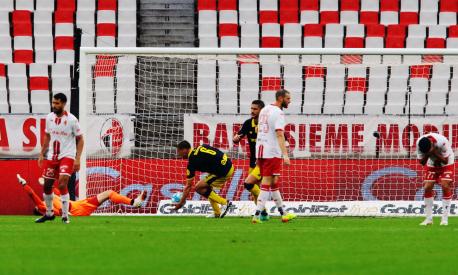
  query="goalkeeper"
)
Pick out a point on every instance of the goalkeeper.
point(250, 131)
point(81, 207)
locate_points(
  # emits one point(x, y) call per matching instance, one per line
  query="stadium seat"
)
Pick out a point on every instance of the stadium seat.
point(206, 86)
point(396, 96)
point(447, 12)
point(24, 5)
point(268, 11)
point(333, 39)
point(249, 85)
point(389, 12)
point(309, 12)
point(419, 81)
point(127, 5)
point(248, 12)
point(452, 39)
point(270, 82)
point(292, 80)
point(437, 95)
point(61, 81)
point(89, 5)
point(375, 95)
point(67, 5)
point(452, 106)
point(64, 48)
point(18, 90)
point(4, 107)
point(250, 36)
point(289, 11)
point(104, 94)
point(125, 85)
point(354, 36)
point(349, 12)
point(86, 21)
point(292, 36)
point(356, 87)
point(334, 93)
point(313, 38)
point(270, 36)
point(7, 5)
point(409, 13)
point(314, 89)
point(329, 12)
point(369, 13)
point(39, 88)
point(228, 74)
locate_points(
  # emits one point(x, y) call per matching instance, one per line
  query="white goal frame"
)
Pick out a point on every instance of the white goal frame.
point(85, 51)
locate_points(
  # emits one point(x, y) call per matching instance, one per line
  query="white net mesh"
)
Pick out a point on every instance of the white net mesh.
point(143, 105)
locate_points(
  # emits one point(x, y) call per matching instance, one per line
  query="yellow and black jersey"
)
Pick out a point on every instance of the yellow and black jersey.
point(250, 130)
point(206, 158)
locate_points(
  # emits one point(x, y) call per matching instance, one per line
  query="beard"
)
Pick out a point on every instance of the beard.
point(284, 105)
point(57, 111)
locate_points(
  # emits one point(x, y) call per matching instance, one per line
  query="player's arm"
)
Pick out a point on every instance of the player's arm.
point(242, 132)
point(424, 159)
point(281, 142)
point(186, 191)
point(438, 156)
point(44, 148)
point(79, 150)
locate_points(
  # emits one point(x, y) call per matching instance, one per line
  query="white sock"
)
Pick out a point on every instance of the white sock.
point(429, 208)
point(262, 199)
point(48, 202)
point(65, 203)
point(445, 209)
point(276, 196)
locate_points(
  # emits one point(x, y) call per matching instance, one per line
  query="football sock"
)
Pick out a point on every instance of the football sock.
point(48, 202)
point(215, 206)
point(276, 196)
point(65, 199)
point(445, 209)
point(119, 199)
point(429, 207)
point(262, 199)
point(215, 197)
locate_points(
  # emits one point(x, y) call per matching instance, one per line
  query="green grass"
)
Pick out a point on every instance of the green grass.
point(177, 245)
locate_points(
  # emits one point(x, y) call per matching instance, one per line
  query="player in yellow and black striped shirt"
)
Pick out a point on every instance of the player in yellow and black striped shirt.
point(250, 130)
point(217, 164)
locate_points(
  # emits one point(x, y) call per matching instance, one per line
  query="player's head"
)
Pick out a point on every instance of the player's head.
point(256, 107)
point(58, 103)
point(424, 145)
point(183, 149)
point(283, 98)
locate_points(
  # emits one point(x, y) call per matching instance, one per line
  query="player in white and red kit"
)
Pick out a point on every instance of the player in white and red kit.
point(435, 151)
point(63, 144)
point(270, 148)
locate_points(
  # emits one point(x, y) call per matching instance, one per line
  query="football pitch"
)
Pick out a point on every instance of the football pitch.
point(196, 245)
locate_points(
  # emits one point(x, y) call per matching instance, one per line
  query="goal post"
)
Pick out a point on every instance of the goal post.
point(351, 127)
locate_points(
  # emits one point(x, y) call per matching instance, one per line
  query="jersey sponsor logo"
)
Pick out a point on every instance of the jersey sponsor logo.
point(112, 136)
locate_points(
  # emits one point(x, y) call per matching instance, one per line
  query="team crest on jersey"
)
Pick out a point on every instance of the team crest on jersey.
point(112, 136)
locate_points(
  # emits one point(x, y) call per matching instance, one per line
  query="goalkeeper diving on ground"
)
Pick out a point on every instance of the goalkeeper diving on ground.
point(81, 207)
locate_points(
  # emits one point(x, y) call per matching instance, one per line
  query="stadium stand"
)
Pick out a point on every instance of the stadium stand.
point(40, 57)
point(333, 23)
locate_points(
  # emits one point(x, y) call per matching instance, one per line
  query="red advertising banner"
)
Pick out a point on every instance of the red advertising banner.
point(323, 180)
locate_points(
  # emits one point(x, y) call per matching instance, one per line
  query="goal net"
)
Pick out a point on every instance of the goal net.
point(351, 128)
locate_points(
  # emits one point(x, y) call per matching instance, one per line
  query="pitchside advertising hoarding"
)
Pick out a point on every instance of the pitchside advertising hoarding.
point(319, 181)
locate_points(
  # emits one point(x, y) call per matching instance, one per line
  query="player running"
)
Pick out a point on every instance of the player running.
point(217, 164)
point(250, 130)
point(434, 151)
point(81, 207)
point(270, 147)
point(63, 144)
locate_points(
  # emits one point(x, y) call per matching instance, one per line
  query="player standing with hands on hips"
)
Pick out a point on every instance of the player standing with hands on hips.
point(434, 151)
point(63, 144)
point(270, 147)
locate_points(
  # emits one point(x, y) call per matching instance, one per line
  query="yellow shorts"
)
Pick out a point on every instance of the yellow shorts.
point(255, 172)
point(217, 181)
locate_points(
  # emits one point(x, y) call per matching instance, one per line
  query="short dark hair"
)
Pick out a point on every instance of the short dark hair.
point(281, 92)
point(259, 102)
point(60, 96)
point(184, 145)
point(424, 145)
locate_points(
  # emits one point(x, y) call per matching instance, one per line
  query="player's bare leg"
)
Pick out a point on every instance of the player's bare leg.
point(64, 197)
point(205, 190)
point(429, 198)
point(263, 197)
point(48, 198)
point(252, 185)
point(446, 199)
point(116, 198)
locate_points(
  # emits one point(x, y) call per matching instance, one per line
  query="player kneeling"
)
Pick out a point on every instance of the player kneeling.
point(434, 151)
point(81, 207)
point(206, 158)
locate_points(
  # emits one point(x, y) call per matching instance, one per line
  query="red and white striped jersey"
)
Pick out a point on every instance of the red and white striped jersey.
point(63, 131)
point(271, 119)
point(442, 144)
